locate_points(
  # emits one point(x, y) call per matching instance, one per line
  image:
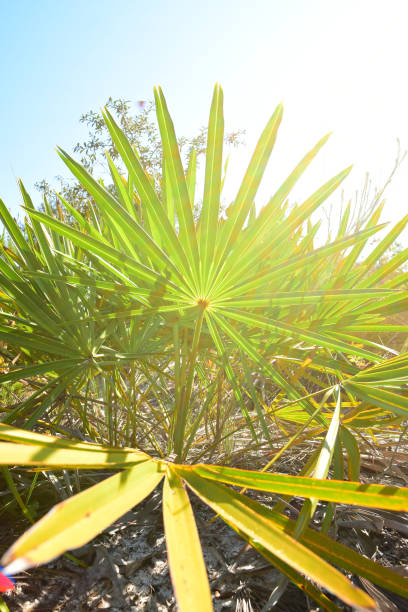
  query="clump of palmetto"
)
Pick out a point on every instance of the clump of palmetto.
point(167, 340)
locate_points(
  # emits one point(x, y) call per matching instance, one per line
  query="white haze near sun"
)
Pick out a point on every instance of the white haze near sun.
point(351, 81)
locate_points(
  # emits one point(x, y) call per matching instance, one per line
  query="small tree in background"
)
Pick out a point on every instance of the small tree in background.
point(141, 131)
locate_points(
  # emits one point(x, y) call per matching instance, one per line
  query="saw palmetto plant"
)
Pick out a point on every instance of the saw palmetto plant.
point(169, 345)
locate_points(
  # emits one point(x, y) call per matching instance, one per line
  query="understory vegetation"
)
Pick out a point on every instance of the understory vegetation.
point(190, 347)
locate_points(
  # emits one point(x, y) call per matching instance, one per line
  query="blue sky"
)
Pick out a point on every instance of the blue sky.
point(335, 65)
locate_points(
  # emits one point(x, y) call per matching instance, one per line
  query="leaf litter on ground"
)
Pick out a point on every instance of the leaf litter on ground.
point(127, 567)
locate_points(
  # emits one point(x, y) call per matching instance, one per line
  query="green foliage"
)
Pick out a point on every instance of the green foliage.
point(153, 340)
point(142, 133)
